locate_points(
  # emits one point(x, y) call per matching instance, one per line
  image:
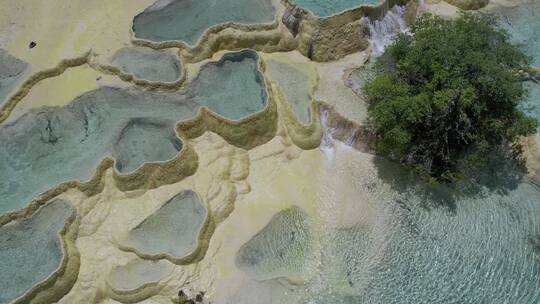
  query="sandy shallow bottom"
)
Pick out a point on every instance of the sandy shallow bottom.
point(284, 225)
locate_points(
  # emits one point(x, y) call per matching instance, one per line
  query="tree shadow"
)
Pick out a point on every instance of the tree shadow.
point(501, 174)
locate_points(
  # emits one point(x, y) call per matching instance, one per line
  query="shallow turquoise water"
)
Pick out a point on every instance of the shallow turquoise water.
point(237, 75)
point(137, 273)
point(281, 249)
point(523, 24)
point(51, 145)
point(30, 250)
point(142, 140)
point(11, 72)
point(295, 85)
point(48, 146)
point(325, 8)
point(149, 64)
point(172, 229)
point(360, 76)
point(187, 20)
point(482, 253)
point(425, 247)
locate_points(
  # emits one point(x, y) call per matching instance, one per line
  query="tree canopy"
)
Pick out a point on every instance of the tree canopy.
point(447, 92)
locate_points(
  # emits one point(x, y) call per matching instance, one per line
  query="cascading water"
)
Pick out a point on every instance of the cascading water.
point(383, 31)
point(327, 142)
point(336, 128)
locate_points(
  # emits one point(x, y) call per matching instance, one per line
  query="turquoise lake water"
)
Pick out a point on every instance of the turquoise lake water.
point(31, 249)
point(427, 245)
point(277, 250)
point(523, 24)
point(149, 64)
point(11, 72)
point(187, 20)
point(484, 252)
point(325, 8)
point(51, 145)
point(172, 229)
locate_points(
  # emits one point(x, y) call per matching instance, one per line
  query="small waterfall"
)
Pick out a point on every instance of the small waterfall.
point(383, 31)
point(340, 133)
point(327, 141)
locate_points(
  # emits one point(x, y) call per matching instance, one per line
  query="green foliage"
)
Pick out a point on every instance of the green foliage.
point(446, 93)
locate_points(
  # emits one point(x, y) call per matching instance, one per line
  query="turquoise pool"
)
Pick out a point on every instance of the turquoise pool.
point(325, 8)
point(31, 249)
point(173, 229)
point(11, 72)
point(187, 20)
point(57, 144)
point(148, 64)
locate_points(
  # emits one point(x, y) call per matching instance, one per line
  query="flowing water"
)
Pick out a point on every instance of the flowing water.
point(532, 101)
point(387, 238)
point(187, 20)
point(382, 32)
point(51, 145)
point(379, 235)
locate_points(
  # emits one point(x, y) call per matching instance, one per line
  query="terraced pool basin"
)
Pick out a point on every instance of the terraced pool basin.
point(148, 64)
point(173, 229)
point(30, 249)
point(59, 144)
point(187, 20)
point(138, 273)
point(11, 72)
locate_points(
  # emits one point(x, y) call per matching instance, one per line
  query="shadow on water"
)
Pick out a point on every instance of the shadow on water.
point(502, 173)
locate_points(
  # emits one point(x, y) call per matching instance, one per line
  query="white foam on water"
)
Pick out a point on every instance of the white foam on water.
point(382, 32)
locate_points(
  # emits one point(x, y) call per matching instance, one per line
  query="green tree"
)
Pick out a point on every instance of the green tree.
point(446, 93)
